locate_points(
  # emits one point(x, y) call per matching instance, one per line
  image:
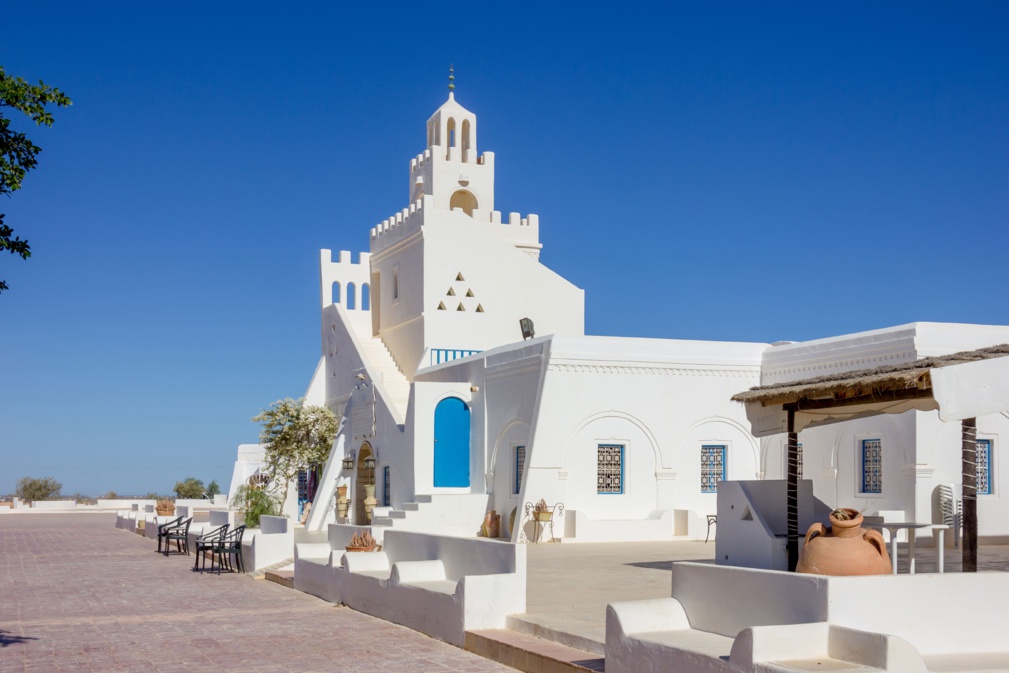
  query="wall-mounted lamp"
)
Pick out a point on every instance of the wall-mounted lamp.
point(474, 389)
point(527, 328)
point(348, 462)
point(360, 377)
point(369, 463)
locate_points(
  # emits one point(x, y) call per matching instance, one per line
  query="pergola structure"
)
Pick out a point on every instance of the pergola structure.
point(961, 387)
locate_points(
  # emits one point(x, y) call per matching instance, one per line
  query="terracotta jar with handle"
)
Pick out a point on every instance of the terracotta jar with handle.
point(845, 548)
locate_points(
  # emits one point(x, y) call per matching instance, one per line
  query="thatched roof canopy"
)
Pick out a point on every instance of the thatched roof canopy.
point(890, 382)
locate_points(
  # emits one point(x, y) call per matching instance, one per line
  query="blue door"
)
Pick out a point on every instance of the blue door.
point(451, 443)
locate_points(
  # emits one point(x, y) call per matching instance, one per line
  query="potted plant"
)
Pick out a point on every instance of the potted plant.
point(542, 511)
point(363, 542)
point(843, 548)
point(165, 507)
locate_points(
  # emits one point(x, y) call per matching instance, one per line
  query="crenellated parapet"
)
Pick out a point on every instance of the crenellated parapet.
point(344, 281)
point(523, 232)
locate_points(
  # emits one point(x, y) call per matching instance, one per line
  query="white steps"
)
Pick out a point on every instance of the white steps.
point(448, 514)
point(393, 383)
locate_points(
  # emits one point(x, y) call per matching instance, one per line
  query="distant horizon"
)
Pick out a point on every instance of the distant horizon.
point(730, 173)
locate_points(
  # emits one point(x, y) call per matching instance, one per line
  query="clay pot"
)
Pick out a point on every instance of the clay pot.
point(845, 548)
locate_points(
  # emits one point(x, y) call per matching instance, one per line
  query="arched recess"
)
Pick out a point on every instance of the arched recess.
point(614, 414)
point(364, 476)
point(464, 199)
point(450, 132)
point(365, 297)
point(735, 425)
point(515, 428)
point(451, 444)
point(466, 143)
point(336, 293)
point(351, 297)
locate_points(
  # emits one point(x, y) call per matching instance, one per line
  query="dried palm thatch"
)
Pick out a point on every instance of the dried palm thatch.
point(867, 383)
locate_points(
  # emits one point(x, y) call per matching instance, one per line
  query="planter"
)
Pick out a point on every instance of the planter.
point(369, 500)
point(845, 548)
point(543, 517)
point(376, 547)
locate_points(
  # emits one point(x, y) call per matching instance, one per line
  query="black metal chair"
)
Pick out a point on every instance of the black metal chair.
point(229, 546)
point(206, 543)
point(163, 531)
point(180, 535)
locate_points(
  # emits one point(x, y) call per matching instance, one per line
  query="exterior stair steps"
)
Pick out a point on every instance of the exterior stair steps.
point(392, 381)
point(454, 514)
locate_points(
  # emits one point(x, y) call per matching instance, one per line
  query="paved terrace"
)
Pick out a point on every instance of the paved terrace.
point(77, 594)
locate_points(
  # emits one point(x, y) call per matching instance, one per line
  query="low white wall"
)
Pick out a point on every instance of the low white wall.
point(271, 543)
point(53, 505)
point(123, 503)
point(578, 527)
point(439, 585)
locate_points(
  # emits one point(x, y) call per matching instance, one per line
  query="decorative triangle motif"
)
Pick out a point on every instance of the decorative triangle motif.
point(458, 276)
point(461, 307)
point(450, 293)
point(441, 306)
point(469, 293)
point(479, 308)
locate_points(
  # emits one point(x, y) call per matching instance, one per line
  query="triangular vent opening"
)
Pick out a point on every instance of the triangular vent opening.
point(461, 307)
point(479, 308)
point(469, 293)
point(450, 293)
point(458, 276)
point(441, 306)
point(747, 515)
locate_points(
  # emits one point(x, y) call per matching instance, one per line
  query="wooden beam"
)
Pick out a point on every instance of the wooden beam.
point(886, 396)
point(792, 491)
point(969, 460)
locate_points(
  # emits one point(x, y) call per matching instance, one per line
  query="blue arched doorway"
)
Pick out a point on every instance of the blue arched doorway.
point(451, 444)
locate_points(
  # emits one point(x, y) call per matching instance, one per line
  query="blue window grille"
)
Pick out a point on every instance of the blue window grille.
point(440, 355)
point(872, 466)
point(983, 460)
point(610, 468)
point(386, 487)
point(712, 466)
point(520, 467)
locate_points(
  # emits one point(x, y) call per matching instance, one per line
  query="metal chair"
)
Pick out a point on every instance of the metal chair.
point(206, 543)
point(180, 534)
point(712, 521)
point(229, 546)
point(163, 532)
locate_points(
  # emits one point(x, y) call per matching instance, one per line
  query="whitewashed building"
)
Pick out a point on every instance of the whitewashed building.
point(424, 360)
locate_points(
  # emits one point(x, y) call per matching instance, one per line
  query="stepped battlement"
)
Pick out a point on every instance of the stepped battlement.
point(439, 153)
point(523, 230)
point(344, 281)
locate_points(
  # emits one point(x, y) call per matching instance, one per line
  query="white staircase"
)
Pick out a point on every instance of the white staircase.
point(446, 514)
point(392, 382)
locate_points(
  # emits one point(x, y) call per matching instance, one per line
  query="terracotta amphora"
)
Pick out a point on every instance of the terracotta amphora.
point(845, 548)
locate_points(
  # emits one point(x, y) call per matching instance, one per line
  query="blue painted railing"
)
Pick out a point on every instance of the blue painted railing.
point(440, 355)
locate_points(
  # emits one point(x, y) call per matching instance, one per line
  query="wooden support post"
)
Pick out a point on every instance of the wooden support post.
point(792, 491)
point(969, 451)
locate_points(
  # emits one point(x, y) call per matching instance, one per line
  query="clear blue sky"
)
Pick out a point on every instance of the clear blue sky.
point(729, 171)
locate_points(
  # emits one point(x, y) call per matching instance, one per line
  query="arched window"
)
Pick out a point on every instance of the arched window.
point(365, 297)
point(465, 138)
point(351, 296)
point(451, 132)
point(465, 200)
point(336, 293)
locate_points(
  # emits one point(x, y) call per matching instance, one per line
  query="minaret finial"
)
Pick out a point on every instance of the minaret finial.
point(451, 78)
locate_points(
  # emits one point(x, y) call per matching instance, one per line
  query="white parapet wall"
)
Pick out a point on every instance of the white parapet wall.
point(269, 544)
point(53, 505)
point(722, 618)
point(439, 585)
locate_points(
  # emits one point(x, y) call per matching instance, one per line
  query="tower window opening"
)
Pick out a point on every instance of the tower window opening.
point(336, 293)
point(465, 200)
point(465, 138)
point(351, 297)
point(365, 297)
point(450, 131)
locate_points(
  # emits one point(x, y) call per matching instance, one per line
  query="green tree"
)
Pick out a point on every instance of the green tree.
point(17, 152)
point(30, 488)
point(295, 437)
point(190, 488)
point(213, 489)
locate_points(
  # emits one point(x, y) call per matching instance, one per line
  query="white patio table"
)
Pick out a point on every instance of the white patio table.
point(895, 527)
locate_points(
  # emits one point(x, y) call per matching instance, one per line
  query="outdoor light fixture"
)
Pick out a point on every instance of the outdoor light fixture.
point(369, 463)
point(348, 462)
point(360, 377)
point(527, 328)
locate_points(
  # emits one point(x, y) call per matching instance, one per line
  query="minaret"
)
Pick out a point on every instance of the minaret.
point(456, 176)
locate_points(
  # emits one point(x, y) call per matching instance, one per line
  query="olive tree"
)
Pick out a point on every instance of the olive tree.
point(295, 437)
point(190, 488)
point(30, 488)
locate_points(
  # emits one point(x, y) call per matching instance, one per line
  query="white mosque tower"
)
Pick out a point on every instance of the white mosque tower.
point(449, 275)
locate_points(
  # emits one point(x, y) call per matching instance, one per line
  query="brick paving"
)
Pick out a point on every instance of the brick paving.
point(77, 594)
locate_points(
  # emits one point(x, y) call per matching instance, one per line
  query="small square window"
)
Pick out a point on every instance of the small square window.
point(610, 468)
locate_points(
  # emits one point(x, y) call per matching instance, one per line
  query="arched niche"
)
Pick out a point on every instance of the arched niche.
point(464, 199)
